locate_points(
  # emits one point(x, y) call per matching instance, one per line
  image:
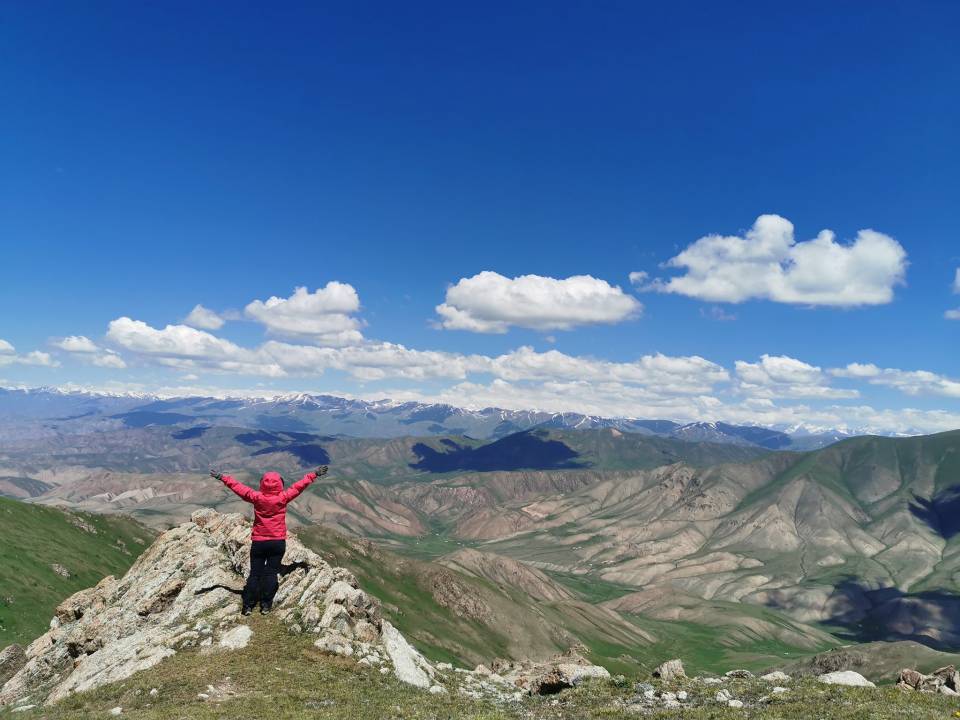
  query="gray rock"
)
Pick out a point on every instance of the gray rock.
point(408, 665)
point(670, 670)
point(236, 638)
point(775, 677)
point(845, 677)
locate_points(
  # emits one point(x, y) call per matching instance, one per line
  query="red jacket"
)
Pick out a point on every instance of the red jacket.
point(270, 503)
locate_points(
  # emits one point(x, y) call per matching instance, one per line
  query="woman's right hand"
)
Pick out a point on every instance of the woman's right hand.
point(216, 474)
point(321, 471)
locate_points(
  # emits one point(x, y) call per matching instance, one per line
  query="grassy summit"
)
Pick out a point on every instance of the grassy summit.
point(282, 676)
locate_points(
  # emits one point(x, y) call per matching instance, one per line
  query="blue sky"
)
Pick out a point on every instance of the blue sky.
point(160, 157)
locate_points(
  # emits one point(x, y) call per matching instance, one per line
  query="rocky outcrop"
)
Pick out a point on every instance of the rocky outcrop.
point(670, 670)
point(562, 671)
point(945, 681)
point(184, 592)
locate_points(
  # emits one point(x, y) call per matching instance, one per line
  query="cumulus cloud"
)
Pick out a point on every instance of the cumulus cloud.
point(324, 317)
point(910, 382)
point(77, 344)
point(956, 282)
point(9, 356)
point(780, 376)
point(109, 359)
point(952, 314)
point(491, 303)
point(203, 318)
point(768, 263)
point(182, 346)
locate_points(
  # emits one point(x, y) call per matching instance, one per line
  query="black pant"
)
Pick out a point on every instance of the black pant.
point(265, 558)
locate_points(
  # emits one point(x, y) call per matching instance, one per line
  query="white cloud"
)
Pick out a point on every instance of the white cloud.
point(40, 359)
point(664, 373)
point(324, 316)
point(490, 303)
point(956, 281)
point(910, 382)
point(780, 376)
point(9, 356)
point(768, 263)
point(203, 318)
point(109, 359)
point(184, 347)
point(952, 314)
point(77, 344)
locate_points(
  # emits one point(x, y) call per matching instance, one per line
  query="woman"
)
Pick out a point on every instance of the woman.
point(269, 532)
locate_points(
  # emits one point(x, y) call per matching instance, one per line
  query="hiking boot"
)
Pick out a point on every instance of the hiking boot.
point(265, 608)
point(246, 611)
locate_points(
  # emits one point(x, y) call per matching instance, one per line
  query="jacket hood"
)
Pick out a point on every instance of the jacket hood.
point(271, 483)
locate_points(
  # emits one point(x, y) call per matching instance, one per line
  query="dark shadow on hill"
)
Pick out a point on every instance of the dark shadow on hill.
point(865, 614)
point(146, 418)
point(190, 433)
point(304, 446)
point(941, 512)
point(530, 450)
point(309, 454)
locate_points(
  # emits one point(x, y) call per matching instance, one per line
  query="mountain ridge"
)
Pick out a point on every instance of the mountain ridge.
point(335, 415)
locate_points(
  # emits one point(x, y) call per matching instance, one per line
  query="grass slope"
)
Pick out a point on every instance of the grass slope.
point(282, 677)
point(34, 538)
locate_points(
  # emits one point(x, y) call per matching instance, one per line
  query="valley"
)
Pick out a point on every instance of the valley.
point(518, 546)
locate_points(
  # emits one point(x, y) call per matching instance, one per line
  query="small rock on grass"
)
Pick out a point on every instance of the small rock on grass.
point(845, 677)
point(670, 670)
point(776, 677)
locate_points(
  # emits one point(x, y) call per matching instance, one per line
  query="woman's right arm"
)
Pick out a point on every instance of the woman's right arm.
point(244, 492)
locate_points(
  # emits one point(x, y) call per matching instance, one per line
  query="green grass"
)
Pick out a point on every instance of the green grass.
point(590, 588)
point(33, 538)
point(402, 585)
point(282, 677)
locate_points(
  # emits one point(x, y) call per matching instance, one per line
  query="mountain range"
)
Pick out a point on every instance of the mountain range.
point(331, 415)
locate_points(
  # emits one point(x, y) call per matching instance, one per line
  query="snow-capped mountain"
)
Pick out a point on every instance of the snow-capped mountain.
point(333, 415)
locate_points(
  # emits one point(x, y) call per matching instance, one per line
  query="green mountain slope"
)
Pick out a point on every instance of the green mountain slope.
point(37, 542)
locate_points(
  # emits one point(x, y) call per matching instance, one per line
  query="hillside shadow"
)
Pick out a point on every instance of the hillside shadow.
point(941, 513)
point(528, 450)
point(864, 614)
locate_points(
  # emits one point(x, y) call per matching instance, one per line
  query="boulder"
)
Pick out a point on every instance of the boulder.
point(670, 670)
point(776, 677)
point(945, 680)
point(845, 677)
point(560, 672)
